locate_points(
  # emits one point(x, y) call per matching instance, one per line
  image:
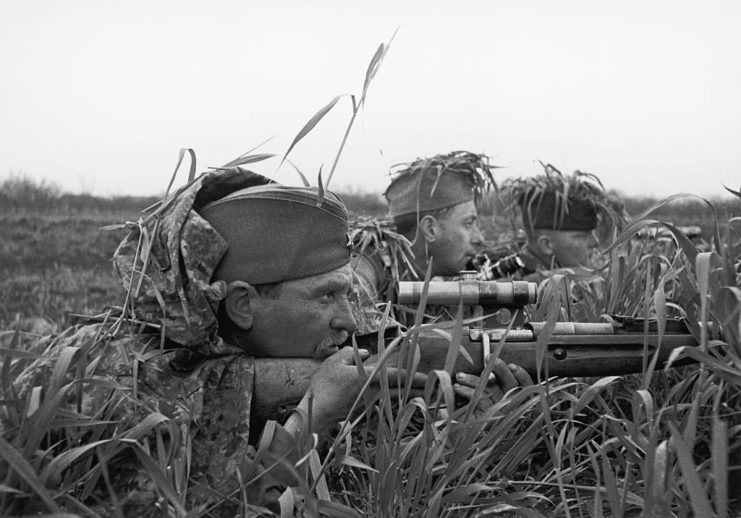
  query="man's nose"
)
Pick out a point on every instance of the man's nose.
point(477, 238)
point(343, 318)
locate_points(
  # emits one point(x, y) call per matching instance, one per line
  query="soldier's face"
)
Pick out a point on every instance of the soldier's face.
point(459, 241)
point(308, 318)
point(574, 247)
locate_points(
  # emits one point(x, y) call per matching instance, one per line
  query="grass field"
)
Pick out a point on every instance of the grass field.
point(659, 444)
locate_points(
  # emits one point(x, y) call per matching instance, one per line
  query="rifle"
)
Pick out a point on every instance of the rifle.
point(572, 349)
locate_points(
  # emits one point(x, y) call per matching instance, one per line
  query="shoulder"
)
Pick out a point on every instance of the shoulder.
point(77, 351)
point(377, 238)
point(380, 255)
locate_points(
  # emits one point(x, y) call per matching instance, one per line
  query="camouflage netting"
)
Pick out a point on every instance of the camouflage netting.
point(390, 253)
point(575, 190)
point(439, 181)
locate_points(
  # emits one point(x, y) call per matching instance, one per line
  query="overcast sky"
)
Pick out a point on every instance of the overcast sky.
point(100, 96)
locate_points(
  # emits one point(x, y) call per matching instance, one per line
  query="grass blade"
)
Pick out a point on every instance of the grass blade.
point(318, 116)
point(21, 466)
point(720, 466)
point(698, 498)
point(160, 478)
point(300, 174)
point(641, 221)
point(191, 173)
point(249, 159)
point(320, 188)
point(375, 62)
point(591, 392)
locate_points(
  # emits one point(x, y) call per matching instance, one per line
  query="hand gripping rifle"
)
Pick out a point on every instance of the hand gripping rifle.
point(572, 349)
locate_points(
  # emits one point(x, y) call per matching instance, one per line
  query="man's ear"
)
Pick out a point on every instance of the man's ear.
point(239, 295)
point(429, 228)
point(544, 244)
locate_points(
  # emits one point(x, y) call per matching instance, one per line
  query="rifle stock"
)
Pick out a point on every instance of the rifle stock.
point(566, 355)
point(281, 382)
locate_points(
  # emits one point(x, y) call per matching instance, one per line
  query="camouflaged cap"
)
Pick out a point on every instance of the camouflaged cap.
point(278, 233)
point(437, 182)
point(577, 214)
point(558, 201)
point(167, 261)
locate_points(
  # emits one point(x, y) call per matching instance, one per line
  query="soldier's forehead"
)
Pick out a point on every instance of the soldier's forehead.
point(338, 278)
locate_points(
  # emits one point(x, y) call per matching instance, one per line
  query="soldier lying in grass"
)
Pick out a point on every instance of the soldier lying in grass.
point(233, 270)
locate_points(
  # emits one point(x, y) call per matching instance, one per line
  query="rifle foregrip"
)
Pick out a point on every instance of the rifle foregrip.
point(566, 356)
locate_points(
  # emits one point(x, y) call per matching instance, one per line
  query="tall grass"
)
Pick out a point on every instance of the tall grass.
point(661, 443)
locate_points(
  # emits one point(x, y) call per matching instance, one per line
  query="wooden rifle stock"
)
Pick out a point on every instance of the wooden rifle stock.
point(573, 350)
point(567, 355)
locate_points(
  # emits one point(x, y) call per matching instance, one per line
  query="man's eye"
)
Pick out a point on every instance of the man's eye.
point(327, 297)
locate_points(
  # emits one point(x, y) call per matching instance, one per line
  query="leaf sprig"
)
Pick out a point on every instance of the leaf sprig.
point(475, 168)
point(370, 73)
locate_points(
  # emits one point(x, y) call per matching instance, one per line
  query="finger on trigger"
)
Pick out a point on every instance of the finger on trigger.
point(505, 376)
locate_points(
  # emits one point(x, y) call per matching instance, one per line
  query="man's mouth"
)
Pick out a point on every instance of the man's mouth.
point(330, 345)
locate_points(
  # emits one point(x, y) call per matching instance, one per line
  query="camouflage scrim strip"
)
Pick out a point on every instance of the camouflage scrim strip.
point(173, 256)
point(203, 415)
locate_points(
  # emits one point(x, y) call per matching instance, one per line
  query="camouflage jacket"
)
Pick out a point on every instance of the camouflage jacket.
point(141, 400)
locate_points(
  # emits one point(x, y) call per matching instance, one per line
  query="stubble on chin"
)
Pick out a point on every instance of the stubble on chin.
point(330, 345)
